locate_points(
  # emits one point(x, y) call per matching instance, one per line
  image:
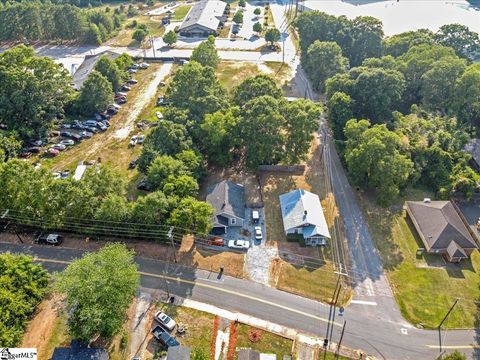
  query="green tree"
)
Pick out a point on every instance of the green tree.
point(238, 18)
point(108, 68)
point(438, 83)
point(456, 355)
point(375, 160)
point(23, 285)
point(301, 121)
point(399, 44)
point(170, 38)
point(180, 186)
point(95, 94)
point(9, 146)
point(257, 11)
point(242, 3)
point(259, 131)
point(113, 208)
point(367, 34)
point(99, 288)
point(272, 35)
point(124, 62)
point(139, 35)
point(34, 91)
point(163, 168)
point(199, 354)
point(257, 27)
point(192, 216)
point(206, 97)
point(256, 86)
point(151, 209)
point(169, 138)
point(193, 162)
point(340, 110)
point(219, 136)
point(460, 38)
point(206, 54)
point(322, 61)
point(467, 98)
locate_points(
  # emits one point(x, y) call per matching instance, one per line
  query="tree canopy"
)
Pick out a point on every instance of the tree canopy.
point(95, 94)
point(99, 288)
point(206, 54)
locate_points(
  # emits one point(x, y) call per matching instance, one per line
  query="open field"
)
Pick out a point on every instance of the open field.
point(232, 73)
point(124, 37)
point(424, 286)
point(269, 343)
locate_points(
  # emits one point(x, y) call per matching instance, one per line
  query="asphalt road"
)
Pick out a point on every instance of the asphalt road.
point(373, 334)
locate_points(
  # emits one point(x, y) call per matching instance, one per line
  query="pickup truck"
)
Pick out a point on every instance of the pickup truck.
point(164, 337)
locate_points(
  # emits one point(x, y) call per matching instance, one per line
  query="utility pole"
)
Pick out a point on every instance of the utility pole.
point(325, 341)
point(337, 352)
point(334, 311)
point(170, 236)
point(441, 323)
point(296, 8)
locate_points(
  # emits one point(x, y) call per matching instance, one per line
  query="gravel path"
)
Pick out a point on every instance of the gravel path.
point(257, 262)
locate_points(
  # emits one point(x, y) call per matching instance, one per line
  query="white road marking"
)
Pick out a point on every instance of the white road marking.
point(362, 302)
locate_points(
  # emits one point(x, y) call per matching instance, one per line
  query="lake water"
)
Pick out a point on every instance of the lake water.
point(404, 15)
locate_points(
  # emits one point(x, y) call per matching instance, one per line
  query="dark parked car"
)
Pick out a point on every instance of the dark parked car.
point(164, 337)
point(50, 239)
point(92, 129)
point(132, 81)
point(102, 126)
point(162, 101)
point(121, 100)
point(76, 137)
point(34, 150)
point(66, 134)
point(132, 164)
point(125, 87)
point(143, 185)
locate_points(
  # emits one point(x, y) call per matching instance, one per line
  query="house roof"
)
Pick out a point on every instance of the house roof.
point(302, 208)
point(440, 224)
point(178, 353)
point(473, 148)
point(248, 354)
point(88, 64)
point(79, 351)
point(455, 251)
point(206, 13)
point(227, 197)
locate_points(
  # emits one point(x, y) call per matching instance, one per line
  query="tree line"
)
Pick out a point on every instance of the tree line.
point(33, 21)
point(424, 74)
point(251, 125)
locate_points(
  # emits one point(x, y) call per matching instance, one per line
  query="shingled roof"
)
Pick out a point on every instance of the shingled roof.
point(440, 225)
point(88, 64)
point(227, 197)
point(206, 13)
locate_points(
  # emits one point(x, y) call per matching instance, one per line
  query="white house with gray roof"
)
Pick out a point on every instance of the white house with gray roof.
point(203, 19)
point(228, 202)
point(302, 213)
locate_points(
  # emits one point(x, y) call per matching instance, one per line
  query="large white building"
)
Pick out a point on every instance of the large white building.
point(203, 19)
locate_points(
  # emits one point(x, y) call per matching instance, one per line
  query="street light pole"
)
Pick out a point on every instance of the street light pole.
point(441, 323)
point(337, 352)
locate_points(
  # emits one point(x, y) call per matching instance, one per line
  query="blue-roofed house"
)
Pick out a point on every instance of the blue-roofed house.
point(79, 351)
point(302, 213)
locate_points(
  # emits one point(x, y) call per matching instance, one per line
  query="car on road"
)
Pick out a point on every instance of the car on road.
point(258, 233)
point(132, 81)
point(50, 239)
point(166, 321)
point(239, 244)
point(67, 142)
point(140, 139)
point(133, 141)
point(164, 337)
point(59, 147)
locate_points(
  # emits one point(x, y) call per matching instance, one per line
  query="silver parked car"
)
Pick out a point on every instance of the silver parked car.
point(166, 321)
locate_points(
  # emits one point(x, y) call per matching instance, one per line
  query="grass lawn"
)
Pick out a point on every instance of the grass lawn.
point(199, 326)
point(269, 343)
point(124, 37)
point(181, 12)
point(424, 291)
point(232, 73)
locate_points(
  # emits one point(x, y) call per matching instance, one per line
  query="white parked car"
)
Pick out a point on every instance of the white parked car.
point(159, 115)
point(143, 66)
point(258, 233)
point(165, 320)
point(140, 139)
point(67, 142)
point(238, 244)
point(133, 140)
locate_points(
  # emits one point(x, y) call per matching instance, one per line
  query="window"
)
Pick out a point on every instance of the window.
point(233, 221)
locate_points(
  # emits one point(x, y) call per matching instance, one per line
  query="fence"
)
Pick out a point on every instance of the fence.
point(287, 169)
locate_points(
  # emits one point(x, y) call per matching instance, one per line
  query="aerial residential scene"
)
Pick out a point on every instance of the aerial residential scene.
point(235, 179)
